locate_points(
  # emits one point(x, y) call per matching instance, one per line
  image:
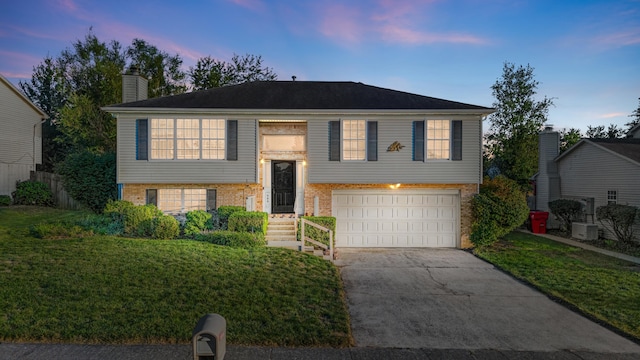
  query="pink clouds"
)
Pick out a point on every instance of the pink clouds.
point(627, 37)
point(254, 5)
point(612, 115)
point(390, 21)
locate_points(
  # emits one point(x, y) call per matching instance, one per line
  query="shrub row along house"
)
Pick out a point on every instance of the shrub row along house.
point(396, 169)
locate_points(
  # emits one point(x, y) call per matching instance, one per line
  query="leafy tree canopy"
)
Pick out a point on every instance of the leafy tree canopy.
point(568, 138)
point(211, 73)
point(512, 139)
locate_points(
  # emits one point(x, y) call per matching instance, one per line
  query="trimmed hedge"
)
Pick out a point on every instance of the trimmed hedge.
point(197, 222)
point(566, 211)
point(327, 221)
point(224, 212)
point(499, 208)
point(142, 220)
point(233, 239)
point(249, 221)
point(619, 219)
point(32, 193)
point(165, 227)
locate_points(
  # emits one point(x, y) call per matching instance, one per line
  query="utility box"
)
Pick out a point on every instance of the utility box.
point(538, 220)
point(209, 338)
point(584, 231)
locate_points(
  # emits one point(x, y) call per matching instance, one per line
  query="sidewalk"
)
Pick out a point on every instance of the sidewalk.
point(10, 351)
point(575, 243)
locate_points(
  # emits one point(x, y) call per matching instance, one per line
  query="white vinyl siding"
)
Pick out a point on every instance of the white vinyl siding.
point(130, 170)
point(394, 167)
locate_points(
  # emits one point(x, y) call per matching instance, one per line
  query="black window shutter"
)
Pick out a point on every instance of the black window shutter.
point(142, 143)
point(152, 196)
point(334, 140)
point(372, 140)
point(211, 199)
point(232, 139)
point(456, 130)
point(418, 141)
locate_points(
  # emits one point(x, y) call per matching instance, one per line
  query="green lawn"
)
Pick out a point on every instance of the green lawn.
point(118, 290)
point(602, 287)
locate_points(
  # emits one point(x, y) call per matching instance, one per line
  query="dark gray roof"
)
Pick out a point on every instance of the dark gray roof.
point(629, 148)
point(302, 95)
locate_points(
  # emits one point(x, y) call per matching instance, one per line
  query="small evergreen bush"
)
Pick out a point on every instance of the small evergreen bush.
point(197, 221)
point(565, 211)
point(224, 212)
point(5, 200)
point(32, 193)
point(244, 240)
point(165, 227)
point(500, 207)
point(619, 219)
point(249, 221)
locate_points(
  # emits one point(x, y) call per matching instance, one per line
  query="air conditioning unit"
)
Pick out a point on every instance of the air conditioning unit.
point(584, 231)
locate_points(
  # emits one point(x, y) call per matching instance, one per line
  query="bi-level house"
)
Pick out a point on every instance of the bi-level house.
point(396, 169)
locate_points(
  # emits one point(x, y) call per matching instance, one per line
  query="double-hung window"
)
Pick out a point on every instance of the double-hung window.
point(353, 140)
point(437, 140)
point(176, 201)
point(186, 139)
point(612, 197)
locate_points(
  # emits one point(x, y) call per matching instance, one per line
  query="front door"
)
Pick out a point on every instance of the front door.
point(284, 186)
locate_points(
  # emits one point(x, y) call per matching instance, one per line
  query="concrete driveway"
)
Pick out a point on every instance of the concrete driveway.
point(449, 299)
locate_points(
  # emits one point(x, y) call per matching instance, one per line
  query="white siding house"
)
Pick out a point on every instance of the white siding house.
point(20, 136)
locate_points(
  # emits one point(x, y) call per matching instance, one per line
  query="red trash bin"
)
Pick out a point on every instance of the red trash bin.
point(538, 221)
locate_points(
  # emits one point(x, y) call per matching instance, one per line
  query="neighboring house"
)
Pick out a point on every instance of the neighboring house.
point(20, 136)
point(396, 169)
point(596, 172)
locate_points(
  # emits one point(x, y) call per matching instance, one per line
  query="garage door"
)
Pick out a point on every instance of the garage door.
point(398, 218)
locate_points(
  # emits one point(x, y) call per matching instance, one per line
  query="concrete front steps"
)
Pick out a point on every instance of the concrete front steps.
point(281, 232)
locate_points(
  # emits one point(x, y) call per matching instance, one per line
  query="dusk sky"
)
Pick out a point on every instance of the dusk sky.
point(586, 54)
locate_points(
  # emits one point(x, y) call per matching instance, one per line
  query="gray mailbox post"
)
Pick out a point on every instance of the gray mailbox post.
point(209, 338)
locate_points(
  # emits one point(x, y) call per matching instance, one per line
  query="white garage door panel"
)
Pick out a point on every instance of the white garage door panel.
point(410, 218)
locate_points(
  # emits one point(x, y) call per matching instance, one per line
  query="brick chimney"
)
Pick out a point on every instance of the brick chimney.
point(134, 86)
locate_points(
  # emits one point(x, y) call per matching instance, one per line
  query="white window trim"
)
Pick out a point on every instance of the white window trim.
point(426, 141)
point(612, 199)
point(364, 159)
point(175, 140)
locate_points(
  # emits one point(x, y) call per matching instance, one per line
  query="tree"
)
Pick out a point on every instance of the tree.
point(636, 118)
point(161, 69)
point(211, 73)
point(512, 139)
point(599, 132)
point(568, 138)
point(47, 89)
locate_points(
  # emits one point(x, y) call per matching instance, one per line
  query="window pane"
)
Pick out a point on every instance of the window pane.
point(353, 139)
point(438, 139)
point(188, 138)
point(162, 138)
point(213, 138)
point(195, 199)
point(170, 200)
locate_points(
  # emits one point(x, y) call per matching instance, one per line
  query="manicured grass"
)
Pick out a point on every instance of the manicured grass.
point(118, 290)
point(602, 287)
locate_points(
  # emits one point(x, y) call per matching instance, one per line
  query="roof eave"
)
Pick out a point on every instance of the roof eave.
point(147, 110)
point(586, 141)
point(23, 97)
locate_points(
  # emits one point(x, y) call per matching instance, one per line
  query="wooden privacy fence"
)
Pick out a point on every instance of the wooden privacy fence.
point(61, 198)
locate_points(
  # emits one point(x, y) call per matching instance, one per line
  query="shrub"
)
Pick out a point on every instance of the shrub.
point(165, 227)
point(32, 193)
point(223, 215)
point(90, 178)
point(566, 211)
point(5, 200)
point(197, 221)
point(499, 208)
point(252, 221)
point(58, 230)
point(327, 221)
point(101, 224)
point(134, 220)
point(618, 219)
point(233, 239)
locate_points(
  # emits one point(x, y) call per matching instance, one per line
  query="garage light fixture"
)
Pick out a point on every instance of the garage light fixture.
point(393, 187)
